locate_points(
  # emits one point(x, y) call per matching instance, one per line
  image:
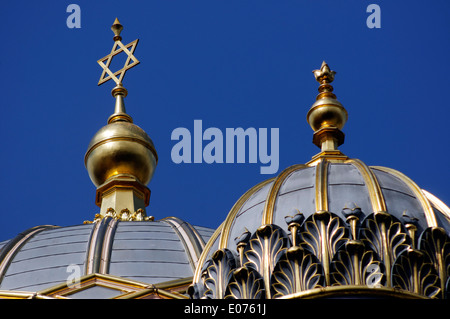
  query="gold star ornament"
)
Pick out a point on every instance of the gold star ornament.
point(118, 48)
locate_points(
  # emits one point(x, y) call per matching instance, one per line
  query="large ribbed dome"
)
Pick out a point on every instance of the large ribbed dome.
point(376, 213)
point(128, 256)
point(330, 227)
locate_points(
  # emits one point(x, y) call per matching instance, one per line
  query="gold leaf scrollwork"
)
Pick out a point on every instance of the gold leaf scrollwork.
point(265, 246)
point(296, 271)
point(413, 271)
point(217, 273)
point(378, 254)
point(322, 234)
point(123, 215)
point(264, 249)
point(385, 235)
point(436, 244)
point(245, 283)
point(354, 264)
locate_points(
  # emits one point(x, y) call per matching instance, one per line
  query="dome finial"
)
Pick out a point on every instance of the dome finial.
point(121, 157)
point(117, 28)
point(327, 116)
point(117, 48)
point(324, 74)
point(119, 92)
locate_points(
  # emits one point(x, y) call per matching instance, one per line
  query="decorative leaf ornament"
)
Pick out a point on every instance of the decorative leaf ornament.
point(353, 264)
point(322, 234)
point(217, 273)
point(385, 235)
point(245, 283)
point(296, 271)
point(413, 271)
point(379, 255)
point(264, 249)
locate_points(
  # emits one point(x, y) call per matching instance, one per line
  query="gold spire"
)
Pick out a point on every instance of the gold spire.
point(121, 157)
point(117, 28)
point(327, 116)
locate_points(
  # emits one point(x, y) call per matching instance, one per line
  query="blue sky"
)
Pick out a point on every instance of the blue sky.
point(231, 64)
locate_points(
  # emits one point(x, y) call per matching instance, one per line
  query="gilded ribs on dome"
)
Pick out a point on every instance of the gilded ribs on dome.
point(329, 227)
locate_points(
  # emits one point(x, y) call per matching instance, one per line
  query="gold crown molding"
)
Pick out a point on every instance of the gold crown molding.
point(331, 156)
point(353, 291)
point(122, 182)
point(8, 294)
point(173, 289)
point(126, 288)
point(124, 215)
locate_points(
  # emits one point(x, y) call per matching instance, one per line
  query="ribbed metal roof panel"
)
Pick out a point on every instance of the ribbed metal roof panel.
point(149, 252)
point(44, 259)
point(205, 232)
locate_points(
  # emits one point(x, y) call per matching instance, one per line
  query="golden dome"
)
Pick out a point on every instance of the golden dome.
point(120, 148)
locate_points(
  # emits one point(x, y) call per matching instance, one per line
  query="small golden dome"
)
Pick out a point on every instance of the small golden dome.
point(327, 112)
point(119, 148)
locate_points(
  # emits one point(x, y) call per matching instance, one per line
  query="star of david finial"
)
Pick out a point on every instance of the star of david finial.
point(117, 48)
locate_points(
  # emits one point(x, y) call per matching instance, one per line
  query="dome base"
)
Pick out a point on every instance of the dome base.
point(122, 193)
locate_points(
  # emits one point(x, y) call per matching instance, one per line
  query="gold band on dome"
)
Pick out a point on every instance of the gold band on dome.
point(273, 193)
point(322, 185)
point(206, 250)
point(424, 202)
point(235, 209)
point(375, 194)
point(440, 205)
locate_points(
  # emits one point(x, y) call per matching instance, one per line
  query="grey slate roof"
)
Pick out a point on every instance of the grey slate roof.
point(147, 251)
